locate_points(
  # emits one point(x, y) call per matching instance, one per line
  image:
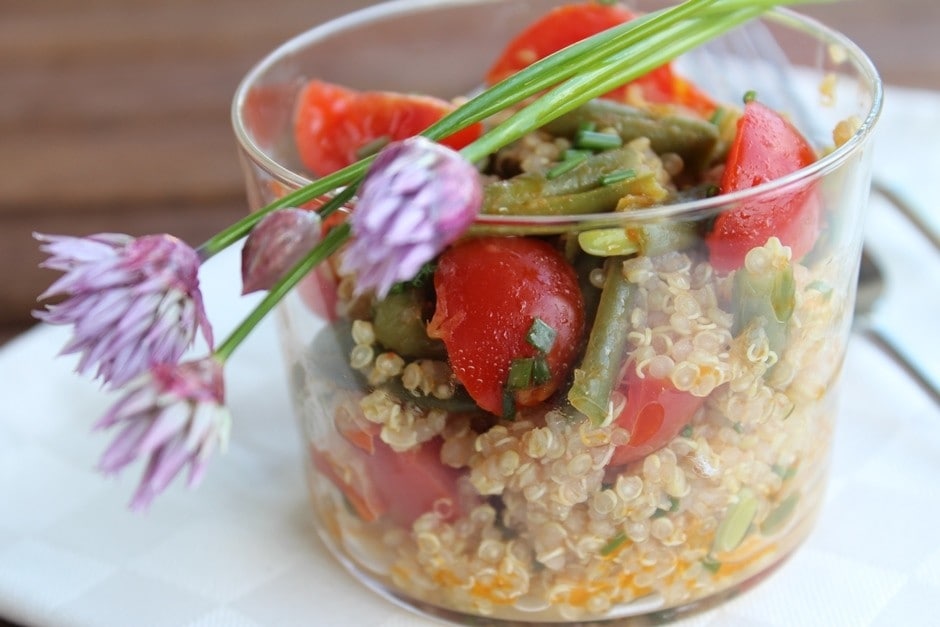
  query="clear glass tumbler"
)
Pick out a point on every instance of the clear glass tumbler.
point(708, 463)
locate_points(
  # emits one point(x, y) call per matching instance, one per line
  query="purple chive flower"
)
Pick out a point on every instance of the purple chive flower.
point(174, 416)
point(275, 245)
point(417, 197)
point(133, 302)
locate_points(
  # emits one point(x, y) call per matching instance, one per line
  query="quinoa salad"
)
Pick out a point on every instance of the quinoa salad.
point(598, 419)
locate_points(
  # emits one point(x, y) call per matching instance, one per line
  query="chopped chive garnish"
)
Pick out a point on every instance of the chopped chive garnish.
point(520, 373)
point(711, 191)
point(563, 167)
point(738, 427)
point(541, 373)
point(541, 335)
point(573, 153)
point(673, 507)
point(587, 125)
point(750, 96)
point(370, 148)
point(613, 544)
point(784, 472)
point(717, 116)
point(686, 431)
point(711, 564)
point(616, 177)
point(597, 141)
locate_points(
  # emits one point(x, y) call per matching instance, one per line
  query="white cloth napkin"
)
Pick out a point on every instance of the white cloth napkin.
point(241, 551)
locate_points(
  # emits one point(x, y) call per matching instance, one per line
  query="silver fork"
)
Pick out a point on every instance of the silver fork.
point(719, 67)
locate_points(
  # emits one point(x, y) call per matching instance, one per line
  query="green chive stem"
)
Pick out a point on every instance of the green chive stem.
point(327, 246)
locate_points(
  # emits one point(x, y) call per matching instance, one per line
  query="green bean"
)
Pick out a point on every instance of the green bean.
point(598, 200)
point(767, 300)
point(693, 139)
point(643, 239)
point(606, 349)
point(583, 177)
point(399, 325)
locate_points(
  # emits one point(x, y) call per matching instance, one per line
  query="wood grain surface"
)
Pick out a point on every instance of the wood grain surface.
point(115, 113)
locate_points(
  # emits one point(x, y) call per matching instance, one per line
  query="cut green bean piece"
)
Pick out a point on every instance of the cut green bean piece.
point(766, 299)
point(584, 266)
point(607, 242)
point(691, 138)
point(646, 239)
point(531, 186)
point(606, 349)
point(602, 199)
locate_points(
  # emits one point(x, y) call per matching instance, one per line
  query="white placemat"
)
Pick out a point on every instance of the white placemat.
point(241, 551)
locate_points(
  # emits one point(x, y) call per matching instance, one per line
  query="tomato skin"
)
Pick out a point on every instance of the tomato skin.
point(654, 414)
point(489, 291)
point(379, 482)
point(766, 147)
point(333, 122)
point(569, 24)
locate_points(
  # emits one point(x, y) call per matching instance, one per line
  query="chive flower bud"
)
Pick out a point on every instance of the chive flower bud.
point(417, 197)
point(280, 240)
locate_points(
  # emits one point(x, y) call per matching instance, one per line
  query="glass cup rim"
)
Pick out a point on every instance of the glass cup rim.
point(691, 208)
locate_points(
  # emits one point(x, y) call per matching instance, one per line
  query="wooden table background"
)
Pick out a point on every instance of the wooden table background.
point(114, 114)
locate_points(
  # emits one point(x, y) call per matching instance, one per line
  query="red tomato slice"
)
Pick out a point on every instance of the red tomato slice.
point(402, 486)
point(765, 148)
point(415, 482)
point(489, 292)
point(569, 24)
point(655, 413)
point(346, 470)
point(332, 123)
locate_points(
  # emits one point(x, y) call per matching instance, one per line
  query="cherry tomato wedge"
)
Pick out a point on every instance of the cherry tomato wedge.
point(766, 147)
point(377, 481)
point(569, 24)
point(333, 123)
point(490, 291)
point(654, 414)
